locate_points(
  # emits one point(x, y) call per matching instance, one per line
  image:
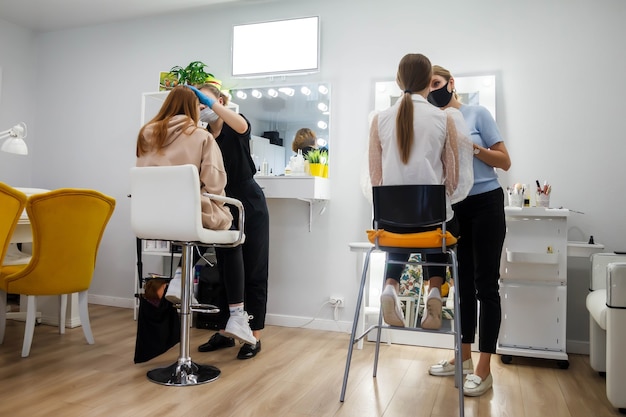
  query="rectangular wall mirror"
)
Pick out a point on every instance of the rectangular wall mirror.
point(475, 89)
point(276, 113)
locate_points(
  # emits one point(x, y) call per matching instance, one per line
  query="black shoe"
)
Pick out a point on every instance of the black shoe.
point(248, 351)
point(217, 341)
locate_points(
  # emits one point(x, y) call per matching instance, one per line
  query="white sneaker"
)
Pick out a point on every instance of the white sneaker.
point(445, 368)
point(389, 302)
point(239, 328)
point(174, 288)
point(431, 318)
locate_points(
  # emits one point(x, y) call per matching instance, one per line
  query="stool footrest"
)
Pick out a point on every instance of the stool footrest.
point(201, 308)
point(205, 308)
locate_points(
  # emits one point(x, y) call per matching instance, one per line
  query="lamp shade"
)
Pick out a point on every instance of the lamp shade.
point(15, 140)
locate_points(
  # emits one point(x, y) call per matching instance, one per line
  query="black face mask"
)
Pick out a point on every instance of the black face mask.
point(440, 97)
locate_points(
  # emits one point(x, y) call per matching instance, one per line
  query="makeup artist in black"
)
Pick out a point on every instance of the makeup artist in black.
point(482, 229)
point(232, 133)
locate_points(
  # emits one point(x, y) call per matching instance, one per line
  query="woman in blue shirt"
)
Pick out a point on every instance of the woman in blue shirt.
point(482, 229)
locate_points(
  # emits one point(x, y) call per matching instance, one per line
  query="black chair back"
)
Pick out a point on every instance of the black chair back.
point(407, 208)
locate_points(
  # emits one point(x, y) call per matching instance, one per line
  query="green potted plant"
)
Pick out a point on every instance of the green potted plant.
point(324, 162)
point(192, 74)
point(316, 168)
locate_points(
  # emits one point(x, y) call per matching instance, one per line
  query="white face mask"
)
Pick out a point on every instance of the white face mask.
point(208, 116)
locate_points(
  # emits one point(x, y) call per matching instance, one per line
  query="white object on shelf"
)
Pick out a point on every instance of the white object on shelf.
point(583, 249)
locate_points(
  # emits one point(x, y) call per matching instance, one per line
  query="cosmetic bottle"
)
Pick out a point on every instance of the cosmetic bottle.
point(526, 195)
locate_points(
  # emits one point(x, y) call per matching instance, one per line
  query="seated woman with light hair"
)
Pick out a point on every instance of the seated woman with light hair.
point(305, 140)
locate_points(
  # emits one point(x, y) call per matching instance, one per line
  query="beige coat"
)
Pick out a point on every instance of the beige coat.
point(187, 144)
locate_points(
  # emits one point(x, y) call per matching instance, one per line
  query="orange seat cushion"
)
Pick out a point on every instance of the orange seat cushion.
point(430, 239)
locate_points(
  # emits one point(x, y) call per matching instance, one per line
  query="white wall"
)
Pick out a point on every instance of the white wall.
point(560, 87)
point(18, 69)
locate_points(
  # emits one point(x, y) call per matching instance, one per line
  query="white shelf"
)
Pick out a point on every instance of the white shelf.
point(312, 190)
point(303, 187)
point(161, 253)
point(583, 249)
point(532, 257)
point(535, 212)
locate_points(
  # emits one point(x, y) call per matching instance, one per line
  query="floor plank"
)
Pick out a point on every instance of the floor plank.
point(297, 374)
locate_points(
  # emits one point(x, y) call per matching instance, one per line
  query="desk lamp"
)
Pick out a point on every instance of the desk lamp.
point(15, 140)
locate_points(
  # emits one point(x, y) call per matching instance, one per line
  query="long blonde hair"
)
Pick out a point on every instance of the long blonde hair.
point(180, 100)
point(414, 74)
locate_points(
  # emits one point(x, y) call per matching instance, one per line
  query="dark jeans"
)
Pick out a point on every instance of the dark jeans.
point(254, 251)
point(482, 229)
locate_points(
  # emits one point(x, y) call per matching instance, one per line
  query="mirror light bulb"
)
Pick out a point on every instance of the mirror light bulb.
point(323, 89)
point(256, 94)
point(305, 90)
point(242, 95)
point(272, 93)
point(322, 107)
point(287, 91)
point(322, 124)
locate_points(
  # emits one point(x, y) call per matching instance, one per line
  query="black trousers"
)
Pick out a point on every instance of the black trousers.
point(482, 229)
point(254, 253)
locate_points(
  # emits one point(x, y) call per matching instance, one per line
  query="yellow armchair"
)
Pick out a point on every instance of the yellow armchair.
point(67, 226)
point(12, 204)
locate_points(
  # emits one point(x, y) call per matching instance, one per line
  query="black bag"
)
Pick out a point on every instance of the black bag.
point(211, 291)
point(158, 329)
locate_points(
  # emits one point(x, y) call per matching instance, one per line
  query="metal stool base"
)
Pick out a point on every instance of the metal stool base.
point(182, 375)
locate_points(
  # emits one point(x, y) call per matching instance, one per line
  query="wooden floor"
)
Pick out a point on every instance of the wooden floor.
point(298, 373)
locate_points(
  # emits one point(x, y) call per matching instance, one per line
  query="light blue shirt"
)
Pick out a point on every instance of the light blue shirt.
point(484, 132)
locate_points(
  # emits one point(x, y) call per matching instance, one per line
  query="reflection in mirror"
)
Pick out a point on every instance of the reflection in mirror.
point(479, 89)
point(276, 113)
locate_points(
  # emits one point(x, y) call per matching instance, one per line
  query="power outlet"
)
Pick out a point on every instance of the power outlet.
point(336, 301)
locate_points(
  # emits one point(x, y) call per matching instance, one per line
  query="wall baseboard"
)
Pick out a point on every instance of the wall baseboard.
point(578, 347)
point(438, 341)
point(111, 301)
point(309, 323)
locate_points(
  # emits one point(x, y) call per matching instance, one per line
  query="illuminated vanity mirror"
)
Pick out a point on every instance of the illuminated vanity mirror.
point(478, 89)
point(276, 113)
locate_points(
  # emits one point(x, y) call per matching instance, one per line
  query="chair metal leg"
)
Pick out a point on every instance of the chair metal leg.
point(185, 372)
point(458, 357)
point(379, 331)
point(355, 322)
